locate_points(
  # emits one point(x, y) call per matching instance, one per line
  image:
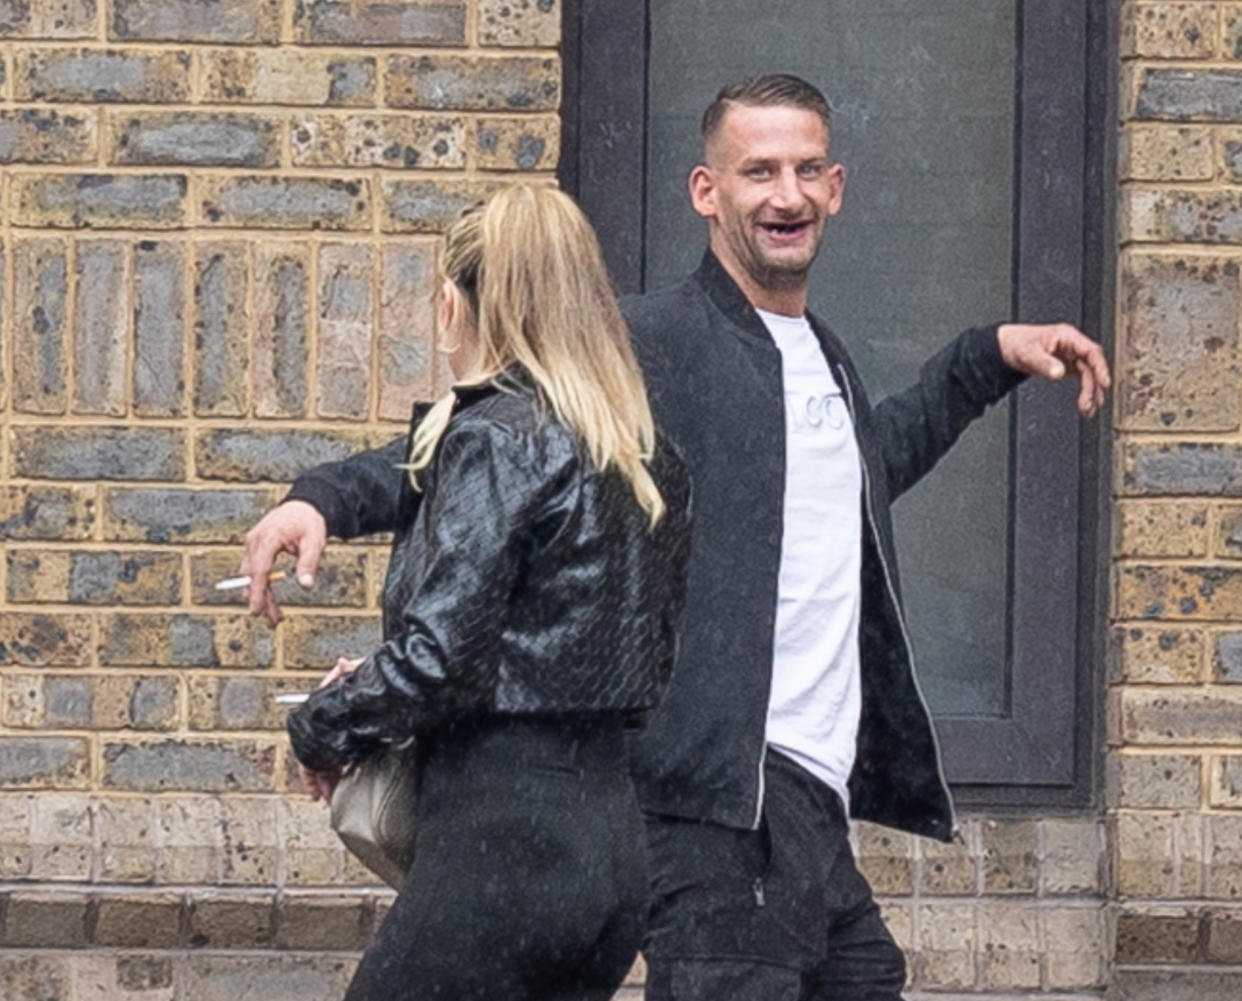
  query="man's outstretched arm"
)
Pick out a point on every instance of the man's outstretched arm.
point(917, 426)
point(357, 496)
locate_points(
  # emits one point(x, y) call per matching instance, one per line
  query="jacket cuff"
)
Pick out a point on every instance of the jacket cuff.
point(340, 519)
point(992, 377)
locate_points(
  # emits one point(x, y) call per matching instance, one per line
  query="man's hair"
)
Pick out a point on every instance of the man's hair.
point(769, 90)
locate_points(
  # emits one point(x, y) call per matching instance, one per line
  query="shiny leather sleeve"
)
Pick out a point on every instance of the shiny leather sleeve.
point(488, 484)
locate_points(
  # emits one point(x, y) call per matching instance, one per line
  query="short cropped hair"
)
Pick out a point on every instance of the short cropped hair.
point(769, 90)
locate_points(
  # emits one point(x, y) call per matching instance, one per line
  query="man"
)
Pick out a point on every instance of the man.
point(793, 702)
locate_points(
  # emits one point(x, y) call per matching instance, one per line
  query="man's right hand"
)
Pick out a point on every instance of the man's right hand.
point(292, 527)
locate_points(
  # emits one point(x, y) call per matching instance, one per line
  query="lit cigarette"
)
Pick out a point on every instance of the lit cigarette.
point(233, 583)
point(292, 698)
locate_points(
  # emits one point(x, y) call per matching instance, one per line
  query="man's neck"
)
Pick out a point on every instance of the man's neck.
point(787, 300)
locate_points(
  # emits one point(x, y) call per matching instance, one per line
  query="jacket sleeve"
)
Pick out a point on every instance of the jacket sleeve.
point(917, 426)
point(359, 495)
point(441, 659)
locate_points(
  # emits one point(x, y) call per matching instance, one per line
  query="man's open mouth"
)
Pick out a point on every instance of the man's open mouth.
point(786, 230)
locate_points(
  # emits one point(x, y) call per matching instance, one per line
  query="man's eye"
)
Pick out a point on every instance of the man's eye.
point(811, 169)
point(758, 173)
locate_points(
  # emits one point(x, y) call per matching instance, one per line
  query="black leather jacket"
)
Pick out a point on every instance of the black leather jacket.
point(714, 377)
point(522, 581)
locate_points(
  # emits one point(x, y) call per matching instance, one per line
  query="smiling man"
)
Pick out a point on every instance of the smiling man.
point(794, 703)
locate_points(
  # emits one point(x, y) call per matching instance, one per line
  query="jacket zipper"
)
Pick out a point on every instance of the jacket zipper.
point(892, 595)
point(763, 755)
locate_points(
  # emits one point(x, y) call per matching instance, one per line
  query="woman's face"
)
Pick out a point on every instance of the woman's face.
point(459, 337)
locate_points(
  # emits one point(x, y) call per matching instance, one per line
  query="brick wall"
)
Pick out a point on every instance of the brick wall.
point(1175, 713)
point(217, 250)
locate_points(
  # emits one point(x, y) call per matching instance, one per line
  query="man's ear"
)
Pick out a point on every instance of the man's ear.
point(836, 182)
point(703, 191)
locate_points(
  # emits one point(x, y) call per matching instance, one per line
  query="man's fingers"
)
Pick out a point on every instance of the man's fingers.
point(1087, 392)
point(308, 560)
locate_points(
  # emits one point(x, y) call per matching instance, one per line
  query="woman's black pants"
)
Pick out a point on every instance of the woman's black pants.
point(530, 877)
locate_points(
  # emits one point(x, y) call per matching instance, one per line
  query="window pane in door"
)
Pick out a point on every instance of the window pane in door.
point(923, 96)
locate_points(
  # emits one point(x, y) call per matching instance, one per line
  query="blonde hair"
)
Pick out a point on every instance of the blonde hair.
point(526, 270)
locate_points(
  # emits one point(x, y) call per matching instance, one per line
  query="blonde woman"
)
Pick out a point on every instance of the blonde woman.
point(529, 617)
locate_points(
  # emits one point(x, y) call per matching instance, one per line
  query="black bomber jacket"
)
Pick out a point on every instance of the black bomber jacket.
point(714, 377)
point(522, 580)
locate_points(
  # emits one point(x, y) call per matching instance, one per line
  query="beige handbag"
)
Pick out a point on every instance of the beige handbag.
point(373, 813)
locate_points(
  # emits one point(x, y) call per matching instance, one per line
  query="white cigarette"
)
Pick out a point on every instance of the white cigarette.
point(292, 698)
point(233, 583)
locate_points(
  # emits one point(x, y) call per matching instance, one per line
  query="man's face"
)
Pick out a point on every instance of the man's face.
point(767, 190)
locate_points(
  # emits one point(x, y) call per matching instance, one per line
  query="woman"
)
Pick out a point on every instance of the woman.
point(529, 617)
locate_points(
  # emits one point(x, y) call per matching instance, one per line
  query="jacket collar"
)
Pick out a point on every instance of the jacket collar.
point(513, 379)
point(725, 294)
point(728, 297)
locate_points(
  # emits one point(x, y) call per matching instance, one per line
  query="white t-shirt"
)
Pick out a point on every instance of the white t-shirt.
point(816, 696)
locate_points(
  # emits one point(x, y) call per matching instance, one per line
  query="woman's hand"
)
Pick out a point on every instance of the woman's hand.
point(320, 785)
point(343, 666)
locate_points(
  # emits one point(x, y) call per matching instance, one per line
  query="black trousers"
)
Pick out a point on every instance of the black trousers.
point(776, 914)
point(530, 878)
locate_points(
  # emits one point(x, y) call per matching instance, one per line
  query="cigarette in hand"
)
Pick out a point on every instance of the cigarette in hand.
point(233, 583)
point(292, 698)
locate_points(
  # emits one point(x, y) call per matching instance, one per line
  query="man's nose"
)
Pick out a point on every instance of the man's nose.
point(788, 194)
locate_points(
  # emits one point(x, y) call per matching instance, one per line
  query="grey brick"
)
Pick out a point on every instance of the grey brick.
point(1180, 366)
point(219, 977)
point(144, 973)
point(153, 703)
point(1190, 984)
point(1175, 94)
point(407, 359)
point(44, 762)
point(48, 920)
point(42, 640)
point(46, 512)
point(286, 203)
point(316, 641)
point(99, 453)
point(107, 75)
point(72, 201)
point(36, 135)
point(221, 339)
point(184, 640)
point(381, 22)
point(91, 577)
point(474, 83)
point(1167, 469)
point(100, 328)
point(238, 454)
point(1184, 216)
point(68, 702)
point(138, 921)
point(195, 138)
point(282, 329)
point(41, 288)
point(159, 329)
point(352, 81)
point(1228, 657)
point(196, 765)
point(157, 514)
point(244, 21)
point(345, 330)
point(519, 22)
point(430, 206)
point(48, 18)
